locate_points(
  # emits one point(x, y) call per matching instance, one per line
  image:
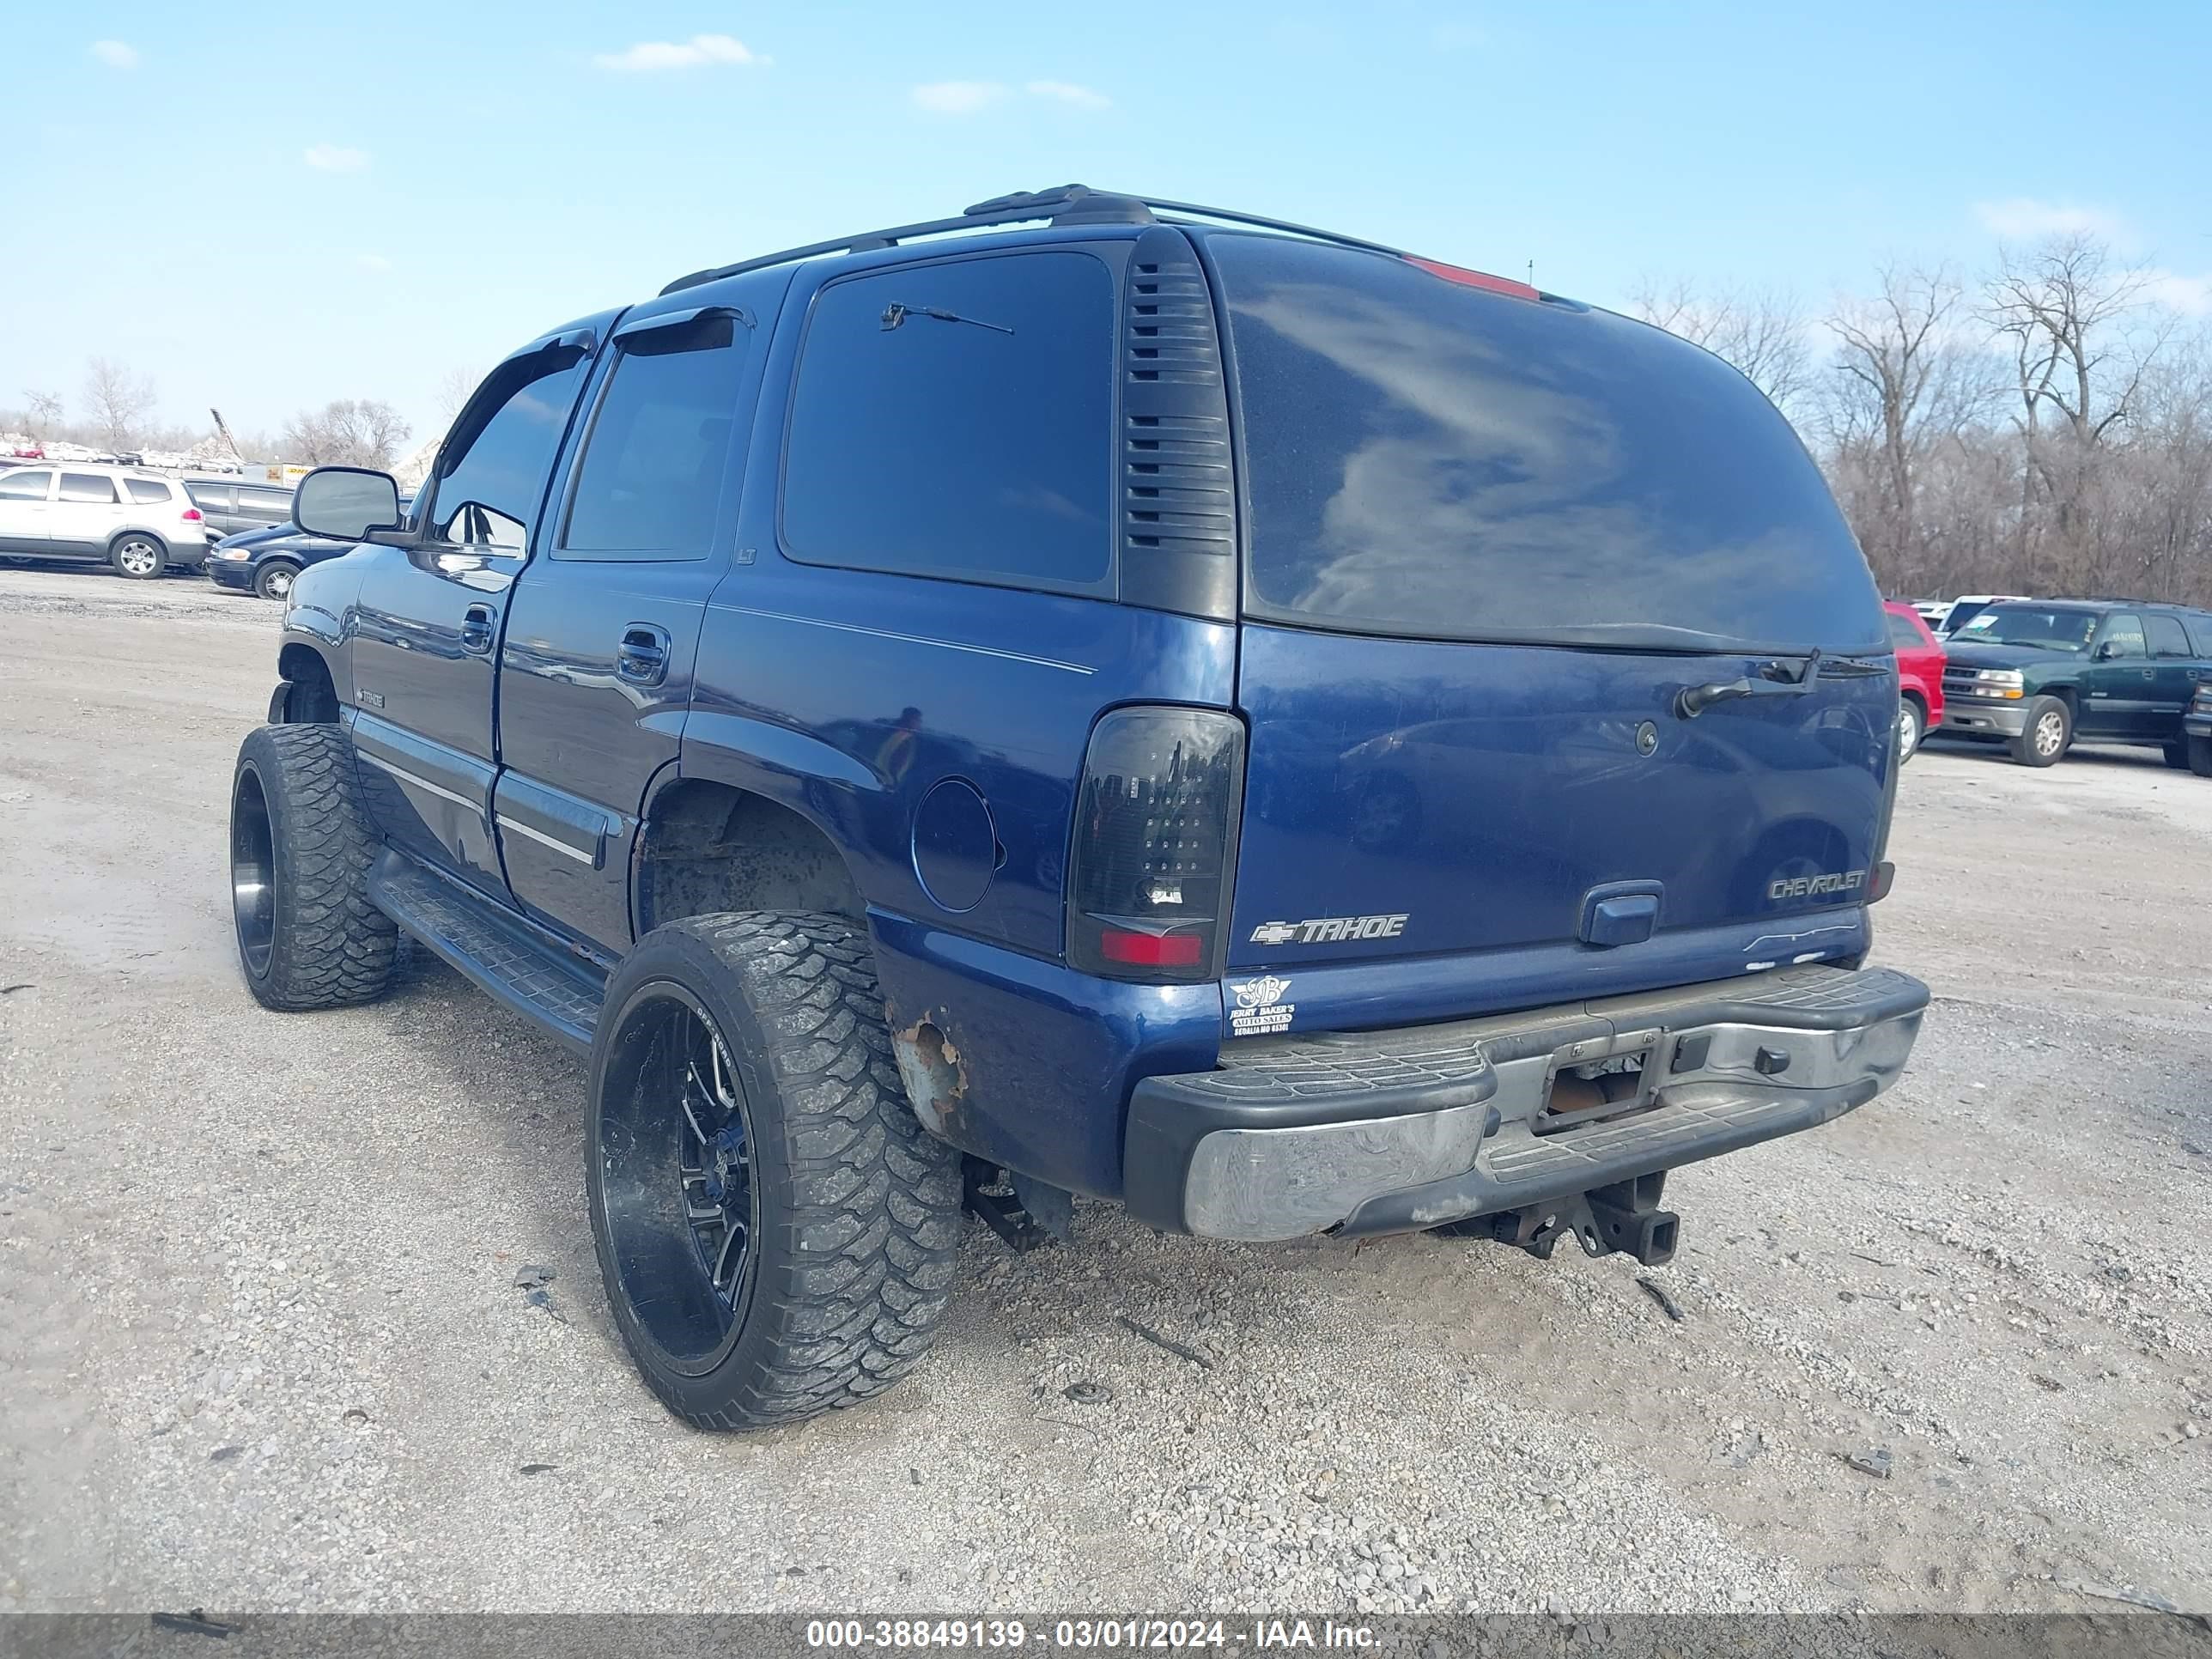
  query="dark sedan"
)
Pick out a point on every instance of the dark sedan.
point(266, 561)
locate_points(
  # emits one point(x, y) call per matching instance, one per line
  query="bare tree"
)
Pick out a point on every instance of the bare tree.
point(1759, 332)
point(118, 398)
point(1903, 382)
point(45, 411)
point(2063, 309)
point(454, 389)
point(347, 432)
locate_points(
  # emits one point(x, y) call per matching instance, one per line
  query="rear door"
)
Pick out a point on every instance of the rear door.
point(1532, 597)
point(24, 510)
point(2173, 668)
point(426, 624)
point(596, 669)
point(85, 512)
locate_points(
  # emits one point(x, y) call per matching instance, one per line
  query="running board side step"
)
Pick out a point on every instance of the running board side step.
point(492, 947)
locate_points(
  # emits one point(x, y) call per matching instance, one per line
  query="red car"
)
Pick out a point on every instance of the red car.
point(1920, 660)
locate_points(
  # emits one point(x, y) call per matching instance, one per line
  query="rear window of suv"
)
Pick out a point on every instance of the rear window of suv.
point(1430, 460)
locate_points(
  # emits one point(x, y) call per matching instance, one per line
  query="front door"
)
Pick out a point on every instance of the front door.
point(428, 619)
point(2116, 687)
point(603, 628)
point(23, 510)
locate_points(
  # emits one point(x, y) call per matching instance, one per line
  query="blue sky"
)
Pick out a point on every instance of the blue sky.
point(264, 208)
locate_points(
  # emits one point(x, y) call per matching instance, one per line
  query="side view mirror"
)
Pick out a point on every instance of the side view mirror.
point(348, 503)
point(2109, 649)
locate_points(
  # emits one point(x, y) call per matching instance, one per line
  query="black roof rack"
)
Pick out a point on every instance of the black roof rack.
point(1068, 204)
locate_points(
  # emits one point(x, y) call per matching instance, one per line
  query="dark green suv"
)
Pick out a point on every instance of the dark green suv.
point(2036, 674)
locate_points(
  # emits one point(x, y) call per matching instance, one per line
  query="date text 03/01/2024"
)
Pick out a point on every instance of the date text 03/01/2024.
point(1110, 1635)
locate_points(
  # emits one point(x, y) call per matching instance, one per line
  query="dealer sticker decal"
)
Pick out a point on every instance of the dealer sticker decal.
point(1261, 1010)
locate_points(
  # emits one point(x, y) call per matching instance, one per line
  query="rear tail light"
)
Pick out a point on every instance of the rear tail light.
point(192, 515)
point(1149, 881)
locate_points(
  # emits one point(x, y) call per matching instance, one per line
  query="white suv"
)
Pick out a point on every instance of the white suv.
point(138, 522)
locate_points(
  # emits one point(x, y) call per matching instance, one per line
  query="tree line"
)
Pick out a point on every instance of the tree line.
point(2044, 428)
point(114, 411)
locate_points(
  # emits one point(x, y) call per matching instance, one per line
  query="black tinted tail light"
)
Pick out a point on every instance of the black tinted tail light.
point(1149, 881)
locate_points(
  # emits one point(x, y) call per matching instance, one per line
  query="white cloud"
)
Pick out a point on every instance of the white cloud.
point(697, 52)
point(2190, 295)
point(116, 54)
point(2024, 217)
point(1067, 92)
point(373, 262)
point(957, 97)
point(334, 158)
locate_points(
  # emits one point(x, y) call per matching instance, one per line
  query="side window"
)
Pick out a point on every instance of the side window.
point(266, 501)
point(211, 498)
point(147, 491)
point(2200, 634)
point(1902, 633)
point(956, 420)
point(650, 481)
point(26, 486)
point(2122, 637)
point(95, 489)
point(492, 469)
point(2166, 637)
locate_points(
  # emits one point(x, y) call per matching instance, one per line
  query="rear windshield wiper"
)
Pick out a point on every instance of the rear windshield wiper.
point(1775, 680)
point(895, 313)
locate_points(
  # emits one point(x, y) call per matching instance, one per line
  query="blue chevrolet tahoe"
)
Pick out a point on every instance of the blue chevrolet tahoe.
point(1095, 697)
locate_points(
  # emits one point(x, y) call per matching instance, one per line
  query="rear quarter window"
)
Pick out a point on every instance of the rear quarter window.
point(976, 443)
point(1428, 459)
point(147, 492)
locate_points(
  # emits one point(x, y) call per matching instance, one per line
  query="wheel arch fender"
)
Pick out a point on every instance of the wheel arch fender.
point(809, 867)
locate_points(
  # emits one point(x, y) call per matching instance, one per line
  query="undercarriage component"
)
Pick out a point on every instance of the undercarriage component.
point(988, 1193)
point(1625, 1216)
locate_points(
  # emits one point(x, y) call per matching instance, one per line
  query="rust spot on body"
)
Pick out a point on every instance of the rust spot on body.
point(935, 1076)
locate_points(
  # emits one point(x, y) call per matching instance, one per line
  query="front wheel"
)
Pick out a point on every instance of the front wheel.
point(1911, 726)
point(274, 579)
point(776, 1230)
point(2200, 756)
point(300, 853)
point(2049, 731)
point(137, 557)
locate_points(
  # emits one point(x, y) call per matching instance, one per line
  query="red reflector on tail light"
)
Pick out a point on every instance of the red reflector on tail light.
point(1885, 878)
point(192, 515)
point(1149, 874)
point(1152, 949)
point(1481, 279)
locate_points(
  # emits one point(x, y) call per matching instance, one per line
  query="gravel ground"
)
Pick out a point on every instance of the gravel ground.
point(262, 1343)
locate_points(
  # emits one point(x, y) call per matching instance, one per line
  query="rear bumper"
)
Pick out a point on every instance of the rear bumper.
point(1394, 1130)
point(1986, 719)
point(187, 555)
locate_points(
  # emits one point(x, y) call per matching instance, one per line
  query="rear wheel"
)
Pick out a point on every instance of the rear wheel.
point(776, 1230)
point(2049, 732)
point(299, 852)
point(1911, 726)
point(274, 579)
point(137, 557)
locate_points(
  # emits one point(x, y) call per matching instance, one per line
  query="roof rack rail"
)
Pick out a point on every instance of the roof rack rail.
point(1067, 204)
